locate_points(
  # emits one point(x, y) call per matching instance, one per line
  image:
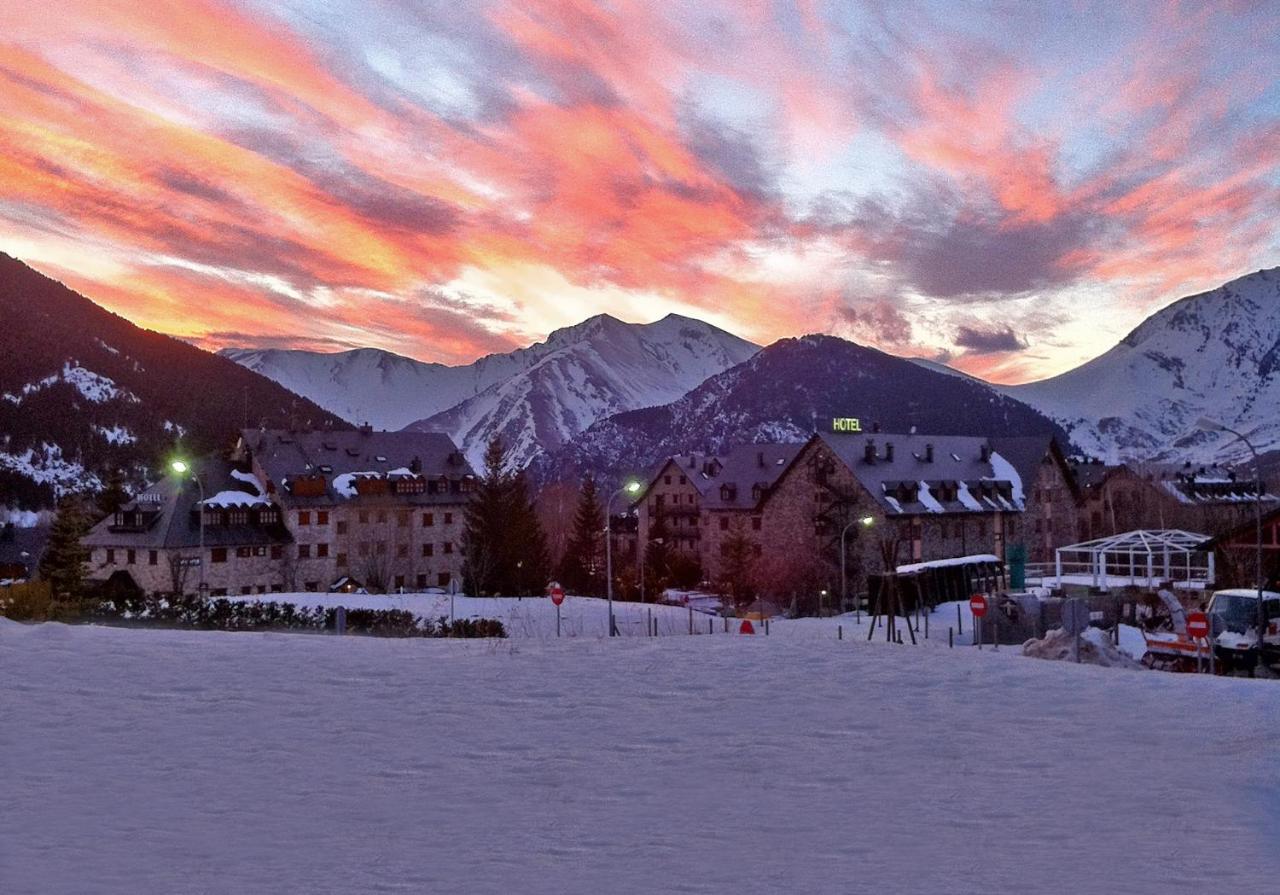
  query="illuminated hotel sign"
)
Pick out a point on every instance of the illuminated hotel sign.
point(846, 424)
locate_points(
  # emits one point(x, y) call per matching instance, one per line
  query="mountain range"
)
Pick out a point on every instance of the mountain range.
point(83, 391)
point(536, 398)
point(785, 393)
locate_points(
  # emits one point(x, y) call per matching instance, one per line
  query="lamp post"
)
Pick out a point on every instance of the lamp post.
point(181, 467)
point(1208, 425)
point(865, 522)
point(628, 488)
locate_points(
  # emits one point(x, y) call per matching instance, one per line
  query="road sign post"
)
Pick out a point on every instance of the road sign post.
point(1198, 630)
point(556, 592)
point(978, 606)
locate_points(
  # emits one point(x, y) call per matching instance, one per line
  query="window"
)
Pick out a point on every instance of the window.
point(666, 480)
point(259, 551)
point(428, 520)
point(399, 582)
point(422, 582)
point(111, 557)
point(218, 554)
point(402, 551)
point(428, 549)
point(442, 579)
point(238, 516)
point(342, 526)
point(724, 523)
point(322, 517)
point(448, 546)
point(312, 586)
point(262, 588)
point(268, 517)
point(364, 548)
point(322, 550)
point(277, 551)
point(304, 517)
point(381, 548)
point(448, 518)
point(152, 558)
point(218, 592)
point(382, 515)
point(246, 590)
point(244, 552)
point(304, 551)
point(131, 557)
point(341, 560)
point(755, 523)
point(402, 519)
point(364, 517)
point(685, 481)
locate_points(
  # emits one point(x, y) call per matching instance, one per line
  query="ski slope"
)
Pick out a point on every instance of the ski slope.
point(140, 761)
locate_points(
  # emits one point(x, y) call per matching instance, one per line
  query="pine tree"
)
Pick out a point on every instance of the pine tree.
point(113, 494)
point(506, 546)
point(485, 523)
point(527, 561)
point(65, 557)
point(581, 570)
point(657, 556)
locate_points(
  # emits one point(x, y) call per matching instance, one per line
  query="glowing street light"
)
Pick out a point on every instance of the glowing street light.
point(632, 487)
point(865, 522)
point(182, 468)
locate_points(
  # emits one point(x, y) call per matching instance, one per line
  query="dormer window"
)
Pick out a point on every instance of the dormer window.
point(728, 492)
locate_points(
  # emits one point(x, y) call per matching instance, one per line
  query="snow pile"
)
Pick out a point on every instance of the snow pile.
point(1096, 648)
point(94, 387)
point(236, 499)
point(249, 479)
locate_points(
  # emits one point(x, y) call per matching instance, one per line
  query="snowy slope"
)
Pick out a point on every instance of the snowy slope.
point(1214, 354)
point(587, 372)
point(369, 385)
point(180, 761)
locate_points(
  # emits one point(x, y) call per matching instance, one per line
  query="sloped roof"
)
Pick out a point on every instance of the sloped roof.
point(177, 525)
point(982, 485)
point(284, 454)
point(741, 469)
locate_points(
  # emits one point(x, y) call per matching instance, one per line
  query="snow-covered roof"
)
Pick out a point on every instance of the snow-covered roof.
point(946, 563)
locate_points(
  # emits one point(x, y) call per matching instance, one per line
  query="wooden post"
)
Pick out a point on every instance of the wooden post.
point(839, 632)
point(711, 625)
point(951, 638)
point(690, 620)
point(959, 620)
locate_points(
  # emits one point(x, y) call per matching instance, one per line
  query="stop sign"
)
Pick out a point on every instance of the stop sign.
point(557, 593)
point(978, 605)
point(1197, 625)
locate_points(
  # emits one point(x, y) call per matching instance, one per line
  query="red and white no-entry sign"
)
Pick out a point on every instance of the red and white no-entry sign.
point(556, 592)
point(978, 605)
point(1197, 625)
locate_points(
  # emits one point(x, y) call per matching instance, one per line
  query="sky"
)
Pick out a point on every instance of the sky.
point(1007, 187)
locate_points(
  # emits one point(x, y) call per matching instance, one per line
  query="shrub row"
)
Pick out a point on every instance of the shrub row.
point(32, 602)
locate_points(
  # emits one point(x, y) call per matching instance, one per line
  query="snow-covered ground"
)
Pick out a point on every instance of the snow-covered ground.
point(140, 761)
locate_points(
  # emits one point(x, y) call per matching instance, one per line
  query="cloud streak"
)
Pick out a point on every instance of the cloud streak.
point(338, 174)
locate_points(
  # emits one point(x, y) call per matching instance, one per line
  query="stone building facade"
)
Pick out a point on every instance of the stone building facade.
point(900, 498)
point(298, 511)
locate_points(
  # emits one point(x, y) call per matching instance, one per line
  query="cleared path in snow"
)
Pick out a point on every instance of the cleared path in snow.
point(142, 761)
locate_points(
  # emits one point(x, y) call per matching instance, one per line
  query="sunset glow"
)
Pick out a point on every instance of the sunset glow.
point(1009, 188)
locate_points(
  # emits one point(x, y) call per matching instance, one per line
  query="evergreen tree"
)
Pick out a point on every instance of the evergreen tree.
point(527, 564)
point(485, 523)
point(657, 556)
point(506, 546)
point(113, 494)
point(582, 569)
point(65, 557)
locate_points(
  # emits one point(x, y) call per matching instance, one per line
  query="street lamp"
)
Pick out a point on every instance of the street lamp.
point(631, 487)
point(865, 522)
point(1208, 425)
point(182, 467)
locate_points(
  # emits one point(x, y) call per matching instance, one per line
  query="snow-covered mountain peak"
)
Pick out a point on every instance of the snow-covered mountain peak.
point(1214, 354)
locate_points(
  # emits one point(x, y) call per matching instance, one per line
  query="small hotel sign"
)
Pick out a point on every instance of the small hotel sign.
point(846, 424)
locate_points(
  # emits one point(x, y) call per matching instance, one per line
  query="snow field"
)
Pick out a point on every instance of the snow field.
point(142, 760)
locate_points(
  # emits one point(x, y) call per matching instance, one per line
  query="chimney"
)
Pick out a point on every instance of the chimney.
point(875, 427)
point(366, 429)
point(888, 452)
point(984, 453)
point(928, 453)
point(760, 459)
point(869, 452)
